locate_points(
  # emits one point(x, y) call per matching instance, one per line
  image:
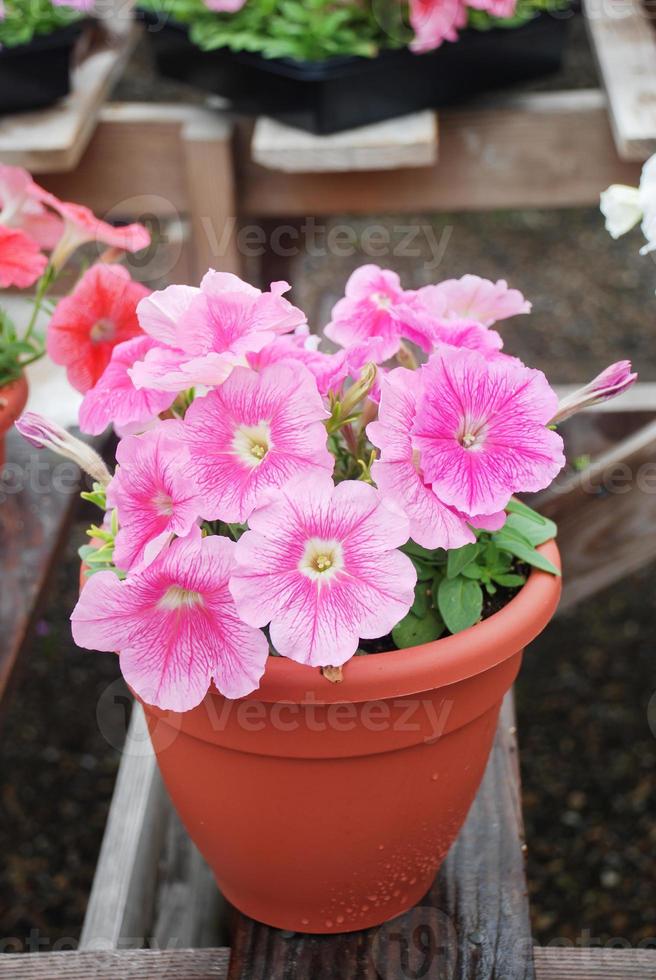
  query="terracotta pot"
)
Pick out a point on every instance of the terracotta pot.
point(13, 398)
point(329, 807)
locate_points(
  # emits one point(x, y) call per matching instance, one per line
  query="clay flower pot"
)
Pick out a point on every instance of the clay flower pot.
point(329, 807)
point(13, 398)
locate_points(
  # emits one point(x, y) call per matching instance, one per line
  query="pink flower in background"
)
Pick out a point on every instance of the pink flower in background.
point(175, 625)
point(114, 400)
point(480, 430)
point(435, 21)
point(472, 299)
point(496, 8)
point(210, 330)
point(87, 325)
point(320, 564)
point(21, 259)
point(82, 226)
point(224, 6)
point(20, 207)
point(375, 307)
point(251, 435)
point(613, 381)
point(152, 493)
point(433, 524)
point(330, 371)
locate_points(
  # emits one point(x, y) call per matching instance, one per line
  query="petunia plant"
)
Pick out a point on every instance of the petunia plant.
point(273, 498)
point(23, 20)
point(39, 234)
point(313, 30)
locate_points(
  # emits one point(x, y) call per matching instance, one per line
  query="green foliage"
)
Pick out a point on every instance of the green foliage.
point(310, 30)
point(15, 353)
point(452, 585)
point(26, 18)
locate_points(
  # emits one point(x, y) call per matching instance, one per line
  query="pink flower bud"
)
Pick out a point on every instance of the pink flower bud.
point(613, 380)
point(43, 434)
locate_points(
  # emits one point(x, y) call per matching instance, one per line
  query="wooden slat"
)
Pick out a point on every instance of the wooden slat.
point(122, 900)
point(212, 964)
point(606, 516)
point(211, 189)
point(476, 914)
point(54, 139)
point(410, 141)
point(144, 964)
point(624, 42)
point(38, 497)
point(512, 153)
point(594, 964)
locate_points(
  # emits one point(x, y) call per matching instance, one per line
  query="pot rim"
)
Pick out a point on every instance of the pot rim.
point(451, 659)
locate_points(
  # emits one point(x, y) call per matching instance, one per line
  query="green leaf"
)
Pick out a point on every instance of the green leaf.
point(459, 558)
point(413, 631)
point(422, 600)
point(534, 527)
point(460, 602)
point(435, 557)
point(510, 581)
point(508, 539)
point(424, 572)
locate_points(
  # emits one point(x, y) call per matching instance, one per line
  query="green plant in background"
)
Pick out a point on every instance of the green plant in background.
point(313, 30)
point(22, 20)
point(452, 586)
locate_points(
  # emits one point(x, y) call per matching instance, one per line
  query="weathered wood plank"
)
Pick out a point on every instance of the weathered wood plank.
point(38, 497)
point(606, 516)
point(212, 964)
point(122, 900)
point(624, 43)
point(473, 924)
point(54, 139)
point(146, 964)
point(507, 153)
point(410, 141)
point(594, 964)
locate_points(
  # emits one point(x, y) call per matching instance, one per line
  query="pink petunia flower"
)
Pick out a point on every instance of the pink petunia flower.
point(82, 226)
point(210, 330)
point(472, 299)
point(175, 625)
point(435, 21)
point(433, 524)
point(152, 493)
point(114, 398)
point(252, 434)
point(481, 430)
point(20, 207)
point(87, 325)
point(21, 259)
point(375, 307)
point(320, 564)
point(473, 336)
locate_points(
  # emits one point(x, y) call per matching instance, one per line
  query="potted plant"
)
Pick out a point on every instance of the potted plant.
point(38, 236)
point(37, 41)
point(330, 65)
point(317, 574)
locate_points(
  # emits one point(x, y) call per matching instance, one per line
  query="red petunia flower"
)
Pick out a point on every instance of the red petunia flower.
point(87, 325)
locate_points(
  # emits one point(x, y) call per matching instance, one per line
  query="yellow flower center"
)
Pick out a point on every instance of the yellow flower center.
point(251, 443)
point(177, 597)
point(321, 560)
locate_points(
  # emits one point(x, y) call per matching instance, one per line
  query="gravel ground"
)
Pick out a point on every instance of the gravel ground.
point(588, 752)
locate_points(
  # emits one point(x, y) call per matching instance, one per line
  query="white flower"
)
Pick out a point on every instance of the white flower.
point(621, 206)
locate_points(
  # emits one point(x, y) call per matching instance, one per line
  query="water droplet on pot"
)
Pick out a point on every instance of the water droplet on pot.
point(381, 847)
point(329, 923)
point(305, 922)
point(340, 919)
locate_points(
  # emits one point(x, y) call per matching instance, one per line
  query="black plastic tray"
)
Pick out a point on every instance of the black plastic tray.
point(37, 74)
point(340, 93)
